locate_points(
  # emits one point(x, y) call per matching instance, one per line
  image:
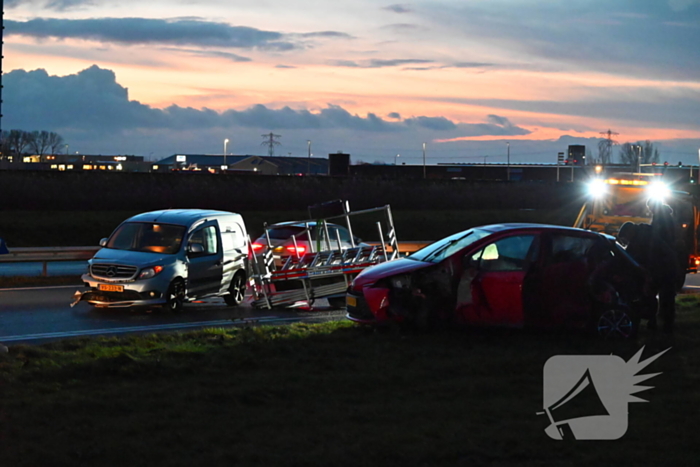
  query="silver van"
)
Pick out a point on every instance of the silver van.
point(166, 258)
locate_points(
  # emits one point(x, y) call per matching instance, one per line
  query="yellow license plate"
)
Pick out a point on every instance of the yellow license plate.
point(111, 288)
point(351, 301)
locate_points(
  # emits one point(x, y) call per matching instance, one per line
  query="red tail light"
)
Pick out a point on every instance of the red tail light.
point(298, 250)
point(257, 246)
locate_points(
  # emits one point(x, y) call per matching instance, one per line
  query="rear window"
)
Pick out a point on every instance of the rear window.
point(283, 233)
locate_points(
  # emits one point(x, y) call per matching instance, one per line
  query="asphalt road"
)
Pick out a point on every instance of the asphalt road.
point(692, 283)
point(41, 314)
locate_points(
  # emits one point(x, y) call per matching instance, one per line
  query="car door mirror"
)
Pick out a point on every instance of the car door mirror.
point(103, 242)
point(195, 249)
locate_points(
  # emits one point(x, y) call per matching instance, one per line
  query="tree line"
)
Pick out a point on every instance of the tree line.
point(630, 154)
point(20, 142)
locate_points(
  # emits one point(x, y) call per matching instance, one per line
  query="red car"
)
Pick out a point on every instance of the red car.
point(517, 275)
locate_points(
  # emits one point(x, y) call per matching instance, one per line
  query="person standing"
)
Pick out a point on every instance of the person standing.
point(660, 261)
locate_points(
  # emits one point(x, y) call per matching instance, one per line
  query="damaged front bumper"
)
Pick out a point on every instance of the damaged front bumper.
point(125, 299)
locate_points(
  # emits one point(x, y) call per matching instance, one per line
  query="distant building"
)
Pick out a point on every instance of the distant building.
point(576, 155)
point(75, 162)
point(264, 165)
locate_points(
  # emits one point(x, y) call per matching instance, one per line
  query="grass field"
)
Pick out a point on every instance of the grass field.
point(333, 395)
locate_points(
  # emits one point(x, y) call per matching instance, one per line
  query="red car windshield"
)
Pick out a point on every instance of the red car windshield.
point(147, 237)
point(436, 252)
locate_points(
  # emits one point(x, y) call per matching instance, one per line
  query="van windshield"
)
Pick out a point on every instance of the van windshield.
point(147, 237)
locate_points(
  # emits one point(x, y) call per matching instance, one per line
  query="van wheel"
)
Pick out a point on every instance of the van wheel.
point(236, 291)
point(175, 296)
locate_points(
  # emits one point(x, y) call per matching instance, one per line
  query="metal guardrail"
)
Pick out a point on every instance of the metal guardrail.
point(46, 255)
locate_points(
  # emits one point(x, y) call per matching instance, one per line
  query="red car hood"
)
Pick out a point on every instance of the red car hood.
point(388, 269)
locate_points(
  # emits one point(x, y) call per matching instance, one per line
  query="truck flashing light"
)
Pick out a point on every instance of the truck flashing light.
point(615, 181)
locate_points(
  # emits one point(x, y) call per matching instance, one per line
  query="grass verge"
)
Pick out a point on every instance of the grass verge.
point(330, 394)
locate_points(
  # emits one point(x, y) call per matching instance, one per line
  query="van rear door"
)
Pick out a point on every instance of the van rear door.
point(205, 268)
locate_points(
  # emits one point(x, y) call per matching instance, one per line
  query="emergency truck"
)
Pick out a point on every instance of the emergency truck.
point(623, 198)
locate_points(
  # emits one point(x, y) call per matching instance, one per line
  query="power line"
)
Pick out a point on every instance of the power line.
point(271, 142)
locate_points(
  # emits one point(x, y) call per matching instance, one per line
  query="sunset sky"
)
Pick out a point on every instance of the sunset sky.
point(368, 78)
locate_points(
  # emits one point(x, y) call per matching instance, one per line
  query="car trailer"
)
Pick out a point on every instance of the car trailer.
point(327, 270)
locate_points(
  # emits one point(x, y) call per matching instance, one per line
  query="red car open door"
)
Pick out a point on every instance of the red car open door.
point(490, 288)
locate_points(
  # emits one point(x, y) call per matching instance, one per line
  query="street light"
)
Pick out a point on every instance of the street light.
point(508, 169)
point(225, 143)
point(308, 164)
point(423, 160)
point(639, 159)
point(398, 155)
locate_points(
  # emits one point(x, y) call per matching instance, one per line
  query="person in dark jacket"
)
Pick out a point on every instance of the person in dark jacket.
point(664, 226)
point(663, 222)
point(660, 260)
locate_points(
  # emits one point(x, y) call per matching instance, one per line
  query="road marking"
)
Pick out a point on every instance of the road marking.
point(158, 327)
point(14, 289)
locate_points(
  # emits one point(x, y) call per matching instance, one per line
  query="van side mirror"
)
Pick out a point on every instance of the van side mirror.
point(195, 248)
point(103, 242)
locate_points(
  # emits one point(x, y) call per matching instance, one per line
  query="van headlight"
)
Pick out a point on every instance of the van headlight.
point(147, 273)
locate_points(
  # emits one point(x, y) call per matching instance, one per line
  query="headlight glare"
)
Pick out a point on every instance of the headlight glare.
point(597, 188)
point(658, 191)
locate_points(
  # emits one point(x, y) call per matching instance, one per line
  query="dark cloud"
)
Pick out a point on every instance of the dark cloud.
point(432, 123)
point(345, 63)
point(92, 100)
point(471, 65)
point(331, 34)
point(496, 120)
point(9, 4)
point(192, 32)
point(402, 27)
point(674, 107)
point(633, 38)
point(212, 53)
point(496, 126)
point(378, 63)
point(285, 67)
point(64, 5)
point(398, 8)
